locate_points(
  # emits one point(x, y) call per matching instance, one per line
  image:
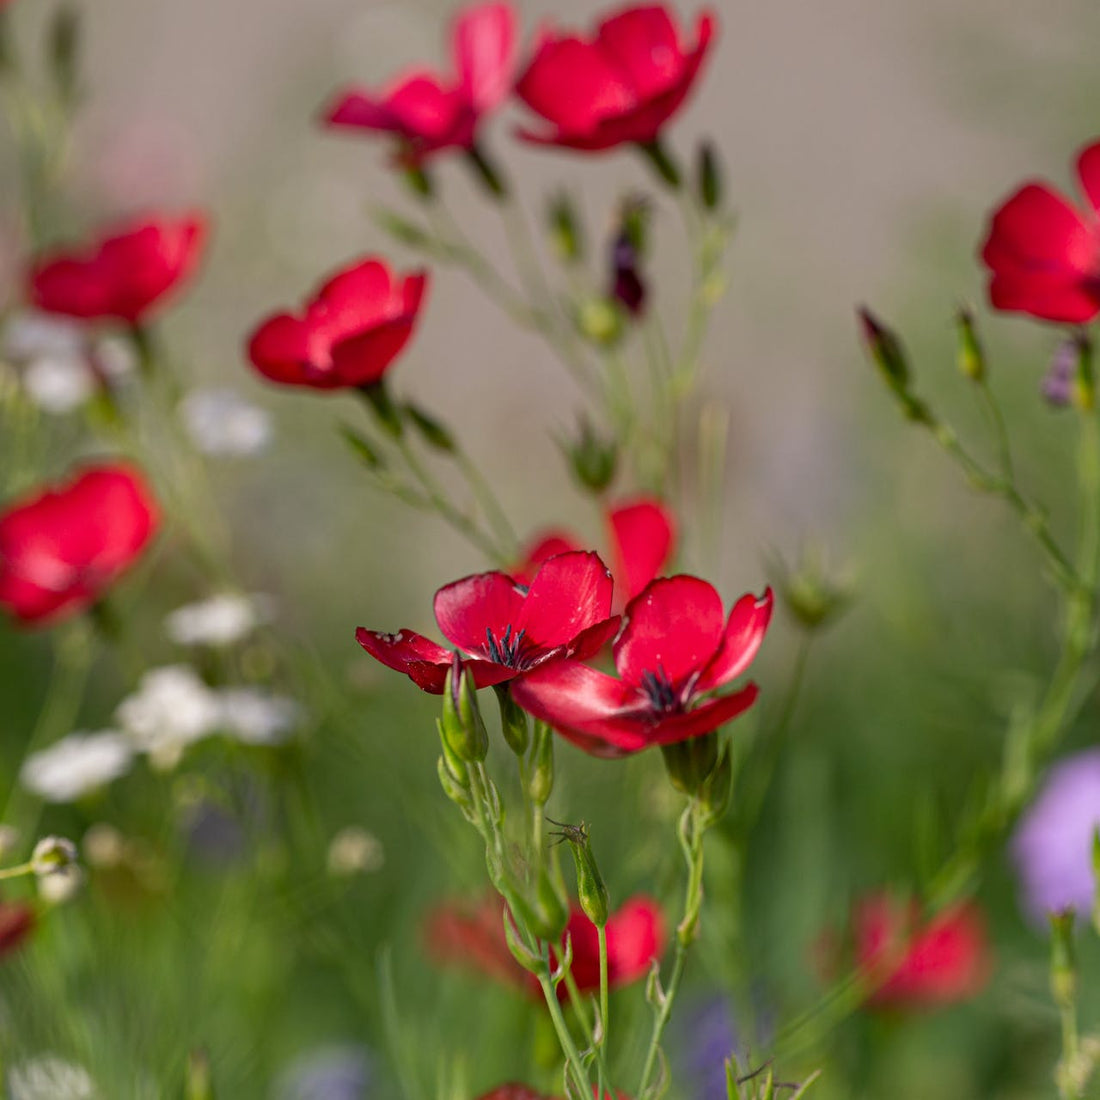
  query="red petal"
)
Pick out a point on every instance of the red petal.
point(467, 608)
point(362, 359)
point(1063, 297)
point(280, 348)
point(1039, 229)
point(702, 719)
point(483, 42)
point(425, 107)
point(635, 937)
point(1088, 170)
point(643, 43)
point(358, 108)
point(642, 534)
point(421, 659)
point(745, 629)
point(674, 626)
point(570, 593)
point(539, 549)
point(589, 642)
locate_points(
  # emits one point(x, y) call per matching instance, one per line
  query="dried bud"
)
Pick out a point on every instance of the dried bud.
point(709, 177)
point(690, 763)
point(591, 891)
point(970, 356)
point(593, 460)
point(463, 728)
point(566, 234)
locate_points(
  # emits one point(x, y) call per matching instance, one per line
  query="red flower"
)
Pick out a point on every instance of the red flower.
point(642, 536)
point(622, 85)
point(62, 549)
point(673, 650)
point(945, 961)
point(1044, 253)
point(475, 937)
point(507, 629)
point(512, 1091)
point(125, 274)
point(16, 925)
point(347, 335)
point(427, 111)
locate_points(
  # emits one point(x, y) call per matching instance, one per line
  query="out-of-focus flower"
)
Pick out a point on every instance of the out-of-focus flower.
point(221, 422)
point(621, 85)
point(338, 1072)
point(171, 710)
point(506, 629)
point(1059, 384)
point(58, 385)
point(29, 335)
point(1043, 253)
point(426, 111)
point(512, 1091)
point(1052, 845)
point(49, 1077)
point(354, 851)
point(125, 275)
point(103, 845)
point(709, 1038)
point(256, 717)
point(642, 536)
point(56, 869)
point(77, 764)
point(913, 965)
point(61, 549)
point(16, 925)
point(347, 335)
point(474, 937)
point(221, 620)
point(673, 651)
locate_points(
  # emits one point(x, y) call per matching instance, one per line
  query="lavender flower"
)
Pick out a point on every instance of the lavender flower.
point(328, 1073)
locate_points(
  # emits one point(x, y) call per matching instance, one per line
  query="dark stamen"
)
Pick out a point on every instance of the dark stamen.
point(508, 650)
point(659, 690)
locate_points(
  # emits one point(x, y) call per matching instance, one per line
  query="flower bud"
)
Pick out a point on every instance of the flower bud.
point(709, 177)
point(690, 763)
point(716, 792)
point(540, 782)
point(381, 404)
point(550, 911)
point(885, 350)
point(593, 460)
point(661, 160)
point(591, 891)
point(513, 720)
point(600, 321)
point(55, 867)
point(1063, 957)
point(463, 728)
point(418, 182)
point(435, 434)
point(812, 598)
point(970, 356)
point(566, 234)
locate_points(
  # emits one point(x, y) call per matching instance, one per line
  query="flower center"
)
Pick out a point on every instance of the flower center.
point(659, 691)
point(508, 651)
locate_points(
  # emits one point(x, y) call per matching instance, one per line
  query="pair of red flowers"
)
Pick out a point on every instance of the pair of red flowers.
point(618, 85)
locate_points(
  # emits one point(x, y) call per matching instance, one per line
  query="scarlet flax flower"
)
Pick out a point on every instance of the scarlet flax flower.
point(1043, 252)
point(61, 549)
point(427, 111)
point(347, 335)
point(642, 536)
point(474, 937)
point(505, 628)
point(914, 965)
point(124, 275)
point(620, 85)
point(674, 651)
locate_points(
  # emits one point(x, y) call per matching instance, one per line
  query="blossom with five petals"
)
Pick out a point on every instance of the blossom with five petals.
point(506, 629)
point(1043, 252)
point(349, 332)
point(125, 274)
point(621, 85)
point(673, 651)
point(427, 111)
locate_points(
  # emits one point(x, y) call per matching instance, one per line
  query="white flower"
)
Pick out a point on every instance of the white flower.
point(57, 873)
point(29, 335)
point(49, 1077)
point(76, 764)
point(220, 620)
point(256, 717)
point(58, 384)
point(221, 422)
point(171, 709)
point(354, 851)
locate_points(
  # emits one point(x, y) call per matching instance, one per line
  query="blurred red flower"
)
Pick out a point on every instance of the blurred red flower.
point(621, 85)
point(507, 629)
point(643, 533)
point(474, 937)
point(428, 111)
point(347, 335)
point(16, 925)
point(673, 650)
point(63, 548)
point(938, 963)
point(1044, 253)
point(512, 1091)
point(124, 275)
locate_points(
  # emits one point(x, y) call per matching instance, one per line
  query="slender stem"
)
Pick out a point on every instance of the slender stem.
point(565, 1038)
point(601, 931)
point(494, 511)
point(17, 872)
point(1000, 429)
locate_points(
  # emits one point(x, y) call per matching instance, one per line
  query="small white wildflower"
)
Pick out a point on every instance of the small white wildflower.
point(57, 873)
point(256, 717)
point(76, 764)
point(29, 335)
point(354, 851)
point(103, 845)
point(59, 384)
point(49, 1077)
point(58, 888)
point(221, 422)
point(171, 709)
point(220, 620)
point(114, 358)
point(53, 355)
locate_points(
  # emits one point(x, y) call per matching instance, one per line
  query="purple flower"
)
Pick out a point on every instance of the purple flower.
point(338, 1072)
point(1052, 846)
point(1057, 384)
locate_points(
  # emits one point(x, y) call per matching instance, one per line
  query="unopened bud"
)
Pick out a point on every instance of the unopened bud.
point(540, 782)
point(813, 598)
point(550, 911)
point(382, 405)
point(885, 350)
point(418, 182)
point(1063, 957)
point(463, 728)
point(566, 234)
point(709, 177)
point(486, 172)
point(716, 792)
point(513, 720)
point(690, 763)
point(435, 434)
point(592, 459)
point(661, 160)
point(601, 321)
point(970, 356)
point(55, 867)
point(591, 891)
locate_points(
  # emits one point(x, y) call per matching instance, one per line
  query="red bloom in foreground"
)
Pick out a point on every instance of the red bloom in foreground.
point(348, 333)
point(427, 111)
point(1044, 253)
point(475, 938)
point(621, 85)
point(673, 651)
point(642, 536)
point(62, 549)
point(16, 925)
point(125, 274)
point(945, 961)
point(507, 629)
point(512, 1091)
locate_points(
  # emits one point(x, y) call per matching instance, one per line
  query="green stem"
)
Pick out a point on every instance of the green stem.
point(565, 1038)
point(1000, 430)
point(601, 931)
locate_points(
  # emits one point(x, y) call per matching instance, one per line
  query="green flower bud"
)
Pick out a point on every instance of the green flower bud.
point(716, 792)
point(600, 321)
point(690, 763)
point(487, 174)
point(970, 356)
point(1084, 388)
point(885, 350)
point(454, 764)
point(661, 160)
point(591, 891)
point(362, 448)
point(566, 233)
point(513, 720)
point(592, 460)
point(463, 727)
point(812, 598)
point(381, 404)
point(709, 177)
point(435, 434)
